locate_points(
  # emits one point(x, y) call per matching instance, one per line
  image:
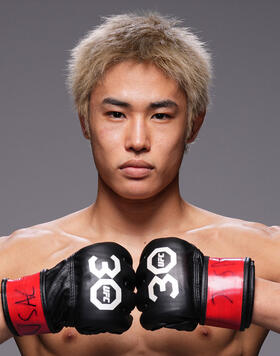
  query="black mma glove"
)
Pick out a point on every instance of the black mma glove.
point(92, 290)
point(178, 287)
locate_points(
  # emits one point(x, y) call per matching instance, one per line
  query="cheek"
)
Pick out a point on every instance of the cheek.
point(170, 150)
point(105, 141)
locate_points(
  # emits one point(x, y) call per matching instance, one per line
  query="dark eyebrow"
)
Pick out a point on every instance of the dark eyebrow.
point(117, 102)
point(155, 105)
point(163, 104)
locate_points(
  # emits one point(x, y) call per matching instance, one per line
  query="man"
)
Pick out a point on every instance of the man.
point(140, 88)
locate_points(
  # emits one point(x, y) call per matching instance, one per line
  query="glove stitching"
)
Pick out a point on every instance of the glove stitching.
point(72, 290)
point(72, 293)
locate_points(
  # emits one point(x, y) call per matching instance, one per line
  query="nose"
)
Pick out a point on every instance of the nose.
point(137, 136)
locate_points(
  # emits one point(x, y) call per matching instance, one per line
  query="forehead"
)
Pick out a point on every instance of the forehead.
point(137, 81)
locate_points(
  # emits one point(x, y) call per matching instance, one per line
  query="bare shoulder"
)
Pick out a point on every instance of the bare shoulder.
point(249, 230)
point(28, 250)
point(246, 226)
point(224, 227)
point(247, 234)
point(260, 242)
point(240, 238)
point(222, 236)
point(234, 227)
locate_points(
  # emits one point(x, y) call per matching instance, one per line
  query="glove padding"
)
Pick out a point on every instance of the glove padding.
point(92, 290)
point(174, 289)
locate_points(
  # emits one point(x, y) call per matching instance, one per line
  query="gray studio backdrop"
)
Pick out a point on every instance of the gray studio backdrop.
point(46, 165)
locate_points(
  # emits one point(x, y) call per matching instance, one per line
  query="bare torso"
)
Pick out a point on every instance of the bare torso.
point(45, 245)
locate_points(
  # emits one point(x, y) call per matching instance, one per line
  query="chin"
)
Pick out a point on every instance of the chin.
point(137, 196)
point(137, 189)
point(138, 193)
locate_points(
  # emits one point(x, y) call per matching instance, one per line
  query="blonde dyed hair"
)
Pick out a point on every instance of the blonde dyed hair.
point(148, 36)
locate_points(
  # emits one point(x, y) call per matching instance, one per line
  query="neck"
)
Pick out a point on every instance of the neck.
point(157, 216)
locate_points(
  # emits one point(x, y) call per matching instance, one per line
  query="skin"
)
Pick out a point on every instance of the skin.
point(133, 211)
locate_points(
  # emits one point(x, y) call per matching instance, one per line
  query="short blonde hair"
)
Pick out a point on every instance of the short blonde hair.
point(148, 36)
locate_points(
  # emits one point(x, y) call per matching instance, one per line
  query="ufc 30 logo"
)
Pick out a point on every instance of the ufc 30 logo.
point(105, 284)
point(159, 255)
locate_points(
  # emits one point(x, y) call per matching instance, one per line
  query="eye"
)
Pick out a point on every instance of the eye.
point(161, 116)
point(115, 114)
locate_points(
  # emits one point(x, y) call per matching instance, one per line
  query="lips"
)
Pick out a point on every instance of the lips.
point(136, 169)
point(136, 164)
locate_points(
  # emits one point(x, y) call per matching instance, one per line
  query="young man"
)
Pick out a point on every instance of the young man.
point(140, 86)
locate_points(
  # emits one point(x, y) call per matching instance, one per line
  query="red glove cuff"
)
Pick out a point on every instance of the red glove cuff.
point(22, 306)
point(228, 292)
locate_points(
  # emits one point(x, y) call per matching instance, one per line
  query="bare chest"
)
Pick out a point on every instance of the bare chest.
point(137, 341)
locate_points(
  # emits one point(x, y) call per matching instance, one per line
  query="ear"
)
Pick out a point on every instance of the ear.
point(197, 123)
point(84, 126)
